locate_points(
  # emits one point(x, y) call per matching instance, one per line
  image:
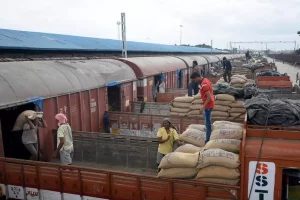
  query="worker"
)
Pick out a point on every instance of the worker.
point(248, 57)
point(162, 85)
point(64, 140)
point(208, 100)
point(166, 136)
point(29, 136)
point(227, 70)
point(193, 87)
point(106, 122)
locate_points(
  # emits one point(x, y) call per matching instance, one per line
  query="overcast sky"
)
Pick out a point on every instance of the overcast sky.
point(157, 21)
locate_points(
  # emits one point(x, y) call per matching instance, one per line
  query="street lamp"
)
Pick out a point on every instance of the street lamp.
point(119, 23)
point(180, 33)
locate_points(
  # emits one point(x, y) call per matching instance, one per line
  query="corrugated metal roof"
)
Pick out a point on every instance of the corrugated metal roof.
point(13, 39)
point(211, 58)
point(189, 59)
point(147, 66)
point(22, 80)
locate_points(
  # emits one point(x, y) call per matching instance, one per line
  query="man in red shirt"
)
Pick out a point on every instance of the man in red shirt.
point(207, 96)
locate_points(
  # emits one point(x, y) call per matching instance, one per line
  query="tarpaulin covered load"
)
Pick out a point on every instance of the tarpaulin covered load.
point(270, 73)
point(225, 88)
point(280, 112)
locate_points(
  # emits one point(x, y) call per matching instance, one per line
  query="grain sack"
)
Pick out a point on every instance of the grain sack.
point(237, 85)
point(219, 114)
point(184, 99)
point(197, 101)
point(179, 160)
point(224, 97)
point(194, 112)
point(180, 110)
point(197, 127)
point(180, 105)
point(218, 172)
point(227, 126)
point(221, 108)
point(237, 110)
point(21, 119)
point(219, 181)
point(178, 173)
point(196, 106)
point(223, 103)
point(237, 104)
point(240, 77)
point(193, 136)
point(227, 122)
point(238, 81)
point(178, 114)
point(218, 157)
point(231, 145)
point(198, 96)
point(226, 134)
point(188, 148)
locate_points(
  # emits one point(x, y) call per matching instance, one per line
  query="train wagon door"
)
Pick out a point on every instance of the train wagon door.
point(114, 96)
point(179, 78)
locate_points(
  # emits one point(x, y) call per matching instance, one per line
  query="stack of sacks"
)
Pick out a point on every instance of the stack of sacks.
point(222, 102)
point(179, 165)
point(195, 107)
point(194, 135)
point(237, 110)
point(227, 130)
point(180, 106)
point(238, 81)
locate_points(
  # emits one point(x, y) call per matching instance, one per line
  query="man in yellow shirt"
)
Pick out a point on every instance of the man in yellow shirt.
point(166, 136)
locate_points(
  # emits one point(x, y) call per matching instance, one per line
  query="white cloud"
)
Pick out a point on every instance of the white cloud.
point(159, 20)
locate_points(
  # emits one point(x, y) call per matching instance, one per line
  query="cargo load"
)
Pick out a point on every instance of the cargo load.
point(20, 121)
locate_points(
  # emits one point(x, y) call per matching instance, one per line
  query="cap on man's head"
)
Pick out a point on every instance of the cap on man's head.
point(224, 58)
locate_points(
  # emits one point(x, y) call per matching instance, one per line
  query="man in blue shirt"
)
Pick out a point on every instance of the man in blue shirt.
point(227, 70)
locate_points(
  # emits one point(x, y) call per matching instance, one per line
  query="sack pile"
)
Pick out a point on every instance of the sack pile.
point(222, 102)
point(179, 165)
point(237, 110)
point(180, 106)
point(193, 136)
point(238, 81)
point(195, 108)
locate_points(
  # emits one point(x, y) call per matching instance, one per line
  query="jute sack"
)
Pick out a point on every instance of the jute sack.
point(237, 81)
point(218, 157)
point(224, 97)
point(178, 114)
point(197, 96)
point(227, 126)
point(179, 160)
point(219, 114)
point(226, 134)
point(180, 110)
point(184, 99)
point(237, 110)
point(193, 136)
point(227, 122)
point(196, 106)
point(197, 101)
point(240, 77)
point(197, 127)
point(223, 103)
point(180, 105)
point(21, 119)
point(219, 181)
point(178, 173)
point(237, 104)
point(237, 85)
point(231, 145)
point(221, 108)
point(194, 112)
point(188, 148)
point(218, 172)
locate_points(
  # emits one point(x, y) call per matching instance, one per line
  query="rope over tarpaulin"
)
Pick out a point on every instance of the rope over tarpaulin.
point(37, 101)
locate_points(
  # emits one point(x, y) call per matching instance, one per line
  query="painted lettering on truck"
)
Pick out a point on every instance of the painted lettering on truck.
point(264, 181)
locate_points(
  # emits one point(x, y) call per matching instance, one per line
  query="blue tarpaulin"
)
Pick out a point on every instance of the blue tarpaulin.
point(113, 83)
point(37, 101)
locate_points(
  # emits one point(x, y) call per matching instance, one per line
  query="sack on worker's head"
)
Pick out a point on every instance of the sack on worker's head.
point(196, 107)
point(230, 145)
point(180, 110)
point(194, 112)
point(219, 114)
point(224, 97)
point(218, 157)
point(21, 119)
point(221, 108)
point(218, 172)
point(219, 181)
point(179, 160)
point(178, 173)
point(180, 104)
point(199, 127)
point(227, 126)
point(237, 110)
point(178, 114)
point(197, 101)
point(184, 99)
point(193, 136)
point(223, 103)
point(188, 148)
point(226, 134)
point(216, 123)
point(237, 104)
